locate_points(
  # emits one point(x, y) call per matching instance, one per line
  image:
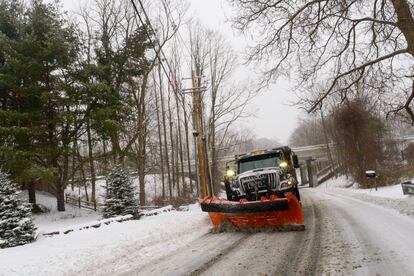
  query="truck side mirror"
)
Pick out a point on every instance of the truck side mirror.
point(295, 160)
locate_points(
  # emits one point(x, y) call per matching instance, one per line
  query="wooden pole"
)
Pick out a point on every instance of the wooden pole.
point(198, 135)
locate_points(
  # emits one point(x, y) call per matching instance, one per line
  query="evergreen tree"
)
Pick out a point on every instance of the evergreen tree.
point(120, 197)
point(38, 49)
point(16, 222)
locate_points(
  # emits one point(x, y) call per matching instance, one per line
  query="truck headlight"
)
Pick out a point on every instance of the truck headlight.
point(283, 164)
point(285, 184)
point(230, 173)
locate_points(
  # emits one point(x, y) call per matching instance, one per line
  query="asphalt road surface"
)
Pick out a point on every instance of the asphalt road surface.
point(343, 236)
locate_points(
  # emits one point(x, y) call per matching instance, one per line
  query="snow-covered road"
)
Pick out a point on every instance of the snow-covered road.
point(346, 233)
point(343, 236)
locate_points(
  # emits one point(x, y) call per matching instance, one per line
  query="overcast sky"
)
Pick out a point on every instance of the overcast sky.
point(275, 118)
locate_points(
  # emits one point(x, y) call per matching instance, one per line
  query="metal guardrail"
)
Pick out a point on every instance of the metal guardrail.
point(408, 188)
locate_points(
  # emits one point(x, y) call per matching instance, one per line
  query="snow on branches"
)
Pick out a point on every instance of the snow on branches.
point(16, 222)
point(120, 196)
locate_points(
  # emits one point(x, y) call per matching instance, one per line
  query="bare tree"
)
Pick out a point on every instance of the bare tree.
point(358, 134)
point(224, 102)
point(344, 43)
point(308, 132)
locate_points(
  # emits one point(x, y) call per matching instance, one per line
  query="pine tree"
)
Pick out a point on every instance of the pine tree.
point(120, 197)
point(16, 222)
point(38, 117)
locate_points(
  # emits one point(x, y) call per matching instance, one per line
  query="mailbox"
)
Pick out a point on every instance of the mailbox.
point(370, 174)
point(408, 188)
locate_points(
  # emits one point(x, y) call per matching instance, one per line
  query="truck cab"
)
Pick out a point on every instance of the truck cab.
point(262, 173)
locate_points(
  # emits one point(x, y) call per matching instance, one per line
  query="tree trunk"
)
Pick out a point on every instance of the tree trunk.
point(174, 175)
point(60, 197)
point(160, 142)
point(91, 161)
point(72, 184)
point(177, 166)
point(142, 140)
point(31, 188)
point(405, 22)
point(82, 169)
point(165, 134)
point(180, 144)
point(105, 158)
point(187, 141)
point(116, 149)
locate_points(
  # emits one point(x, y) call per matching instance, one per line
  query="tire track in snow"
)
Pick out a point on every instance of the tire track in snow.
point(234, 253)
point(276, 253)
point(303, 254)
point(381, 240)
point(219, 256)
point(193, 256)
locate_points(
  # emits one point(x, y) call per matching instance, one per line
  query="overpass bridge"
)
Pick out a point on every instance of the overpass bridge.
point(317, 152)
point(319, 164)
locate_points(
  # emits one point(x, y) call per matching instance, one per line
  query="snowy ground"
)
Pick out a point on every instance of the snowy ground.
point(53, 220)
point(390, 196)
point(343, 236)
point(107, 250)
point(348, 232)
point(392, 191)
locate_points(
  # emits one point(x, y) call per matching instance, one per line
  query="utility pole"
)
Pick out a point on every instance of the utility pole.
point(198, 133)
point(203, 171)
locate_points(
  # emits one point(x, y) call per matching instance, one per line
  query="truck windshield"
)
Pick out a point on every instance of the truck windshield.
point(258, 162)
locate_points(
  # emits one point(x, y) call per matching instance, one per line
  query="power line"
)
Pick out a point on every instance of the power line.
point(178, 31)
point(150, 38)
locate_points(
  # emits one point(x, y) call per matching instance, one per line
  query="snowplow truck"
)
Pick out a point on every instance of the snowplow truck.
point(262, 190)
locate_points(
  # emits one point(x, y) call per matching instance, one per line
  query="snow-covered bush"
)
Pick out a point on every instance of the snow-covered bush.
point(16, 222)
point(120, 196)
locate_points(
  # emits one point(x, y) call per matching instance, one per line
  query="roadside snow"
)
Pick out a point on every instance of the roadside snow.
point(339, 182)
point(53, 220)
point(390, 197)
point(394, 191)
point(106, 250)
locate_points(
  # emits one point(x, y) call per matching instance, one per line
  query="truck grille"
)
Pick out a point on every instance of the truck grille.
point(261, 181)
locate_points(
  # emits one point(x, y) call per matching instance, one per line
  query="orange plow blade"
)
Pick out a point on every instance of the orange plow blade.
point(273, 211)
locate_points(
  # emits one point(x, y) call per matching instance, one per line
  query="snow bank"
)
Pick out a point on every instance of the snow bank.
point(108, 250)
point(85, 226)
point(391, 197)
point(394, 191)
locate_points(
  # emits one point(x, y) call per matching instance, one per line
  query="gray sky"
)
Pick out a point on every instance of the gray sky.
point(274, 118)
